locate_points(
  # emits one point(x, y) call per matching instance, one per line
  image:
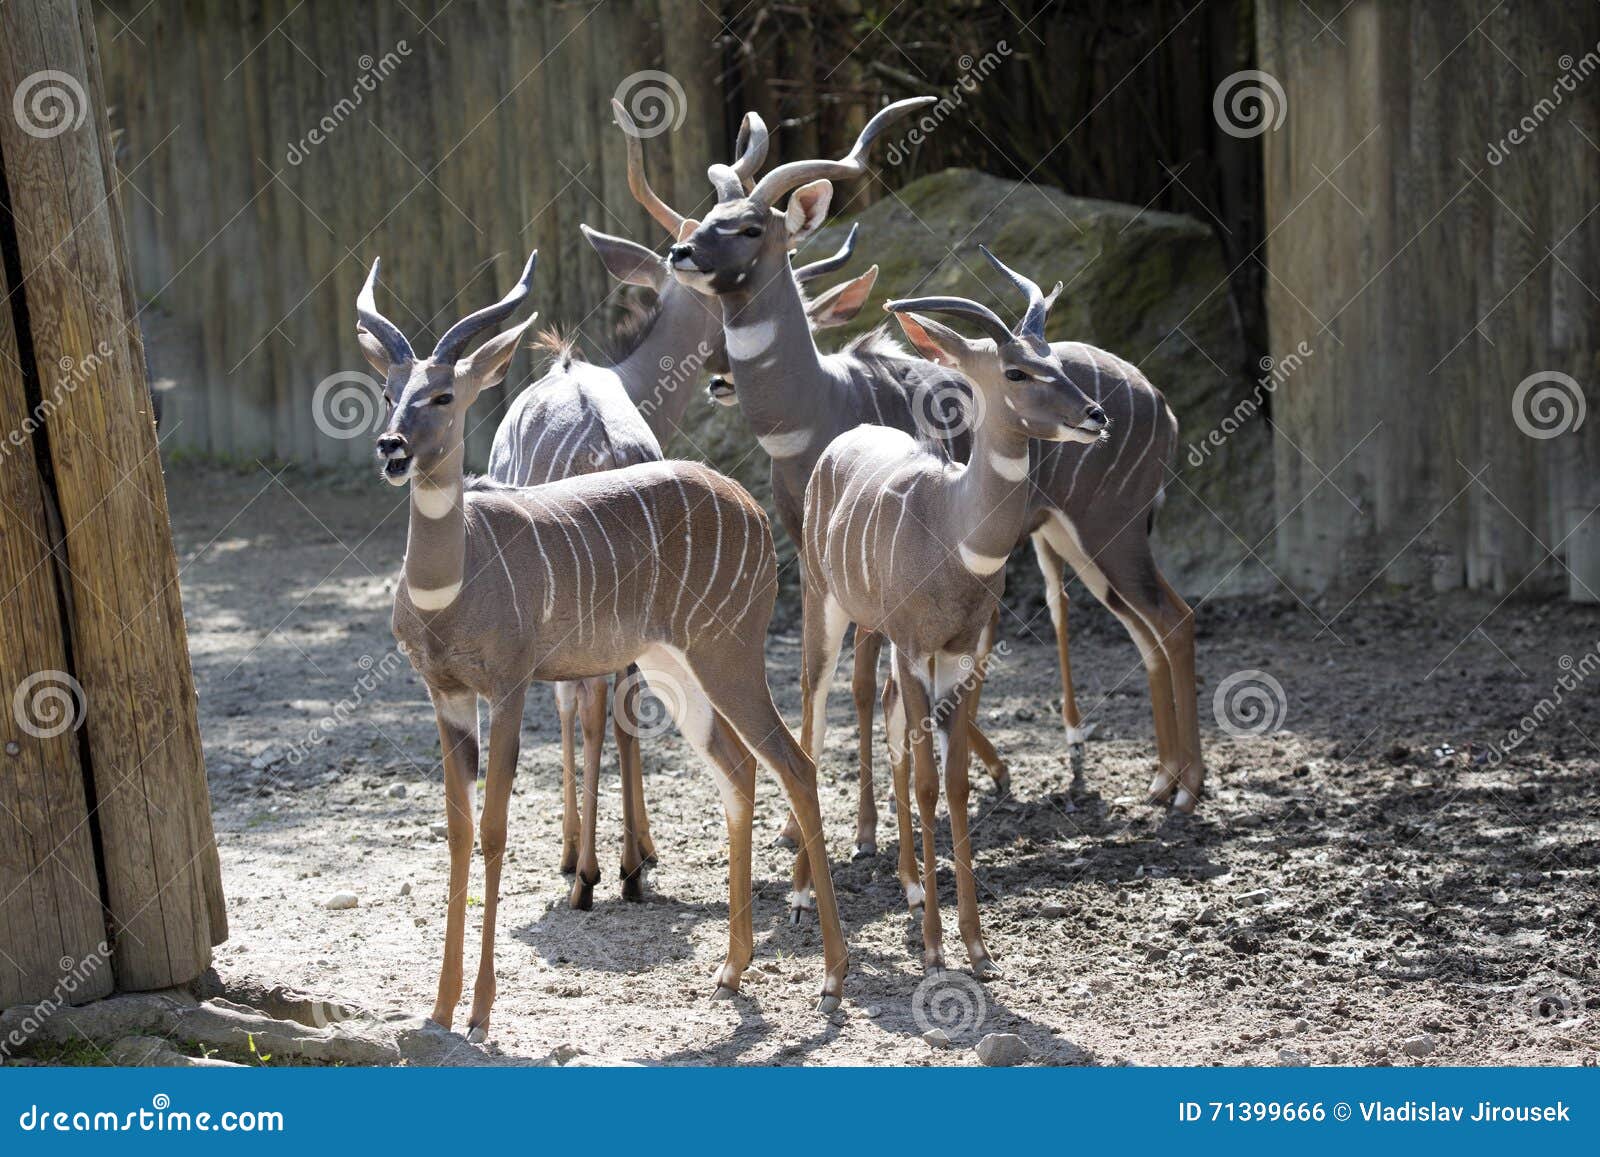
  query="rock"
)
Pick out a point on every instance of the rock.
point(873, 1012)
point(340, 901)
point(1259, 896)
point(1208, 915)
point(1053, 910)
point(1421, 1045)
point(1024, 715)
point(268, 757)
point(396, 791)
point(156, 1052)
point(565, 1054)
point(439, 830)
point(1002, 1050)
point(937, 1038)
point(1136, 275)
point(1292, 1059)
point(405, 889)
point(600, 1063)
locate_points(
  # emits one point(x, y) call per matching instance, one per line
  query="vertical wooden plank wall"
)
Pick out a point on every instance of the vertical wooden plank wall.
point(1432, 276)
point(128, 648)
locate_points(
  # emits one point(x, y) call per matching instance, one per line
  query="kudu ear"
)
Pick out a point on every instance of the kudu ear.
point(808, 209)
point(486, 366)
point(377, 357)
point(627, 261)
point(938, 343)
point(841, 303)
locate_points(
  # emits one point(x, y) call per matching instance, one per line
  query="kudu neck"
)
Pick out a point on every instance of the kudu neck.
point(436, 535)
point(662, 372)
point(774, 360)
point(991, 493)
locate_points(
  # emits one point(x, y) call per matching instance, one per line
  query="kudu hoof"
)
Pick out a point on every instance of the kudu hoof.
point(986, 969)
point(583, 893)
point(865, 850)
point(1002, 781)
point(479, 1035)
point(1077, 757)
point(782, 841)
point(724, 993)
point(828, 1005)
point(633, 886)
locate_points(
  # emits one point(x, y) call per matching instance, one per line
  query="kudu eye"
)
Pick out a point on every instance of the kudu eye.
point(443, 399)
point(1016, 376)
point(752, 230)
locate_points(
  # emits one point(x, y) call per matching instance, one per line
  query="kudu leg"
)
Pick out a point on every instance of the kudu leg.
point(912, 677)
point(822, 637)
point(625, 726)
point(567, 710)
point(957, 728)
point(505, 737)
point(457, 717)
point(1053, 568)
point(739, 692)
point(1177, 632)
point(647, 846)
point(894, 726)
point(592, 719)
point(864, 690)
point(986, 753)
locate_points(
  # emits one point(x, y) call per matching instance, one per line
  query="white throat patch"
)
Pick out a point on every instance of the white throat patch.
point(982, 565)
point(748, 342)
point(1011, 469)
point(432, 501)
point(789, 445)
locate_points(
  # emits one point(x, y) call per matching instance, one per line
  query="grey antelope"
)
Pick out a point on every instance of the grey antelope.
point(836, 306)
point(575, 579)
point(1091, 507)
point(904, 543)
point(579, 418)
point(796, 399)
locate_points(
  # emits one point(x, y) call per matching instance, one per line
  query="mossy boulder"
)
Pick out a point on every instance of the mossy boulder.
point(1149, 286)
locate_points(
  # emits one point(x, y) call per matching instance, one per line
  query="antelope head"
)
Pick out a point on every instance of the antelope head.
point(832, 307)
point(428, 397)
point(744, 241)
point(1014, 367)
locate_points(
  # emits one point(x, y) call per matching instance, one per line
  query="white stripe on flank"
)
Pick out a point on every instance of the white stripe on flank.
point(655, 555)
point(980, 564)
point(501, 555)
point(688, 555)
point(436, 599)
point(790, 445)
point(549, 571)
point(738, 573)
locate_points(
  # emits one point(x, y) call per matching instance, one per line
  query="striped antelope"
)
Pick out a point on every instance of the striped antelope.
point(1091, 507)
point(580, 418)
point(664, 564)
point(902, 542)
point(740, 253)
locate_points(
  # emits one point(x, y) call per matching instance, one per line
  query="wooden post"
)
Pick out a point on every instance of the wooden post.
point(85, 484)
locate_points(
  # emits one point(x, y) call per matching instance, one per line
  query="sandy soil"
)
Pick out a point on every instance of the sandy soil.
point(1361, 886)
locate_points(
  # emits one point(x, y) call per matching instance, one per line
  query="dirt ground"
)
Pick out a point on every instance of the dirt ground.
point(1362, 886)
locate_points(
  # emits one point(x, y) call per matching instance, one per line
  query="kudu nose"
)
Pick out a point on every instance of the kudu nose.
point(679, 253)
point(391, 445)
